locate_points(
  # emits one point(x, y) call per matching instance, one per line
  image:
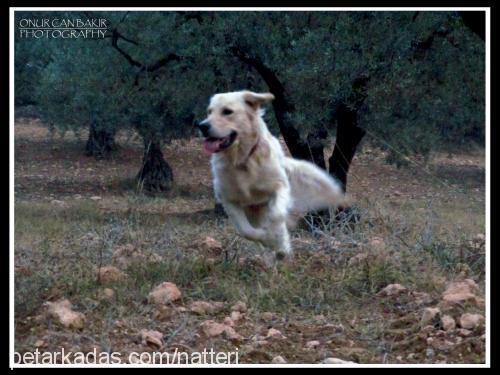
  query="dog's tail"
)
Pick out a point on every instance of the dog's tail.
point(312, 188)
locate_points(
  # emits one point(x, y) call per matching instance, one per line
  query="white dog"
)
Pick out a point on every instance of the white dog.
point(260, 188)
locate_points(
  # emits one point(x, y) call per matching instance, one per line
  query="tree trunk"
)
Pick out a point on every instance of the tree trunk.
point(316, 146)
point(348, 137)
point(283, 108)
point(100, 142)
point(155, 174)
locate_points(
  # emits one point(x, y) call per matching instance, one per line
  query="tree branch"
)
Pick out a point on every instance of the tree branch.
point(143, 67)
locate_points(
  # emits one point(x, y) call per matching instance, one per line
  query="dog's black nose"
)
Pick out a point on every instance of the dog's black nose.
point(204, 126)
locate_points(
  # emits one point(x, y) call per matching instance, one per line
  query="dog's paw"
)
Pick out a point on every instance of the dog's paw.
point(284, 255)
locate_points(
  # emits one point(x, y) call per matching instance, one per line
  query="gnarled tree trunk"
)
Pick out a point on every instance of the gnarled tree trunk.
point(100, 142)
point(348, 137)
point(155, 174)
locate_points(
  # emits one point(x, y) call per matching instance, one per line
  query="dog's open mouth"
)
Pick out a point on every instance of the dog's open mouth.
point(213, 145)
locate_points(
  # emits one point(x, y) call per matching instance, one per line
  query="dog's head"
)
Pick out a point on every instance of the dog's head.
point(231, 119)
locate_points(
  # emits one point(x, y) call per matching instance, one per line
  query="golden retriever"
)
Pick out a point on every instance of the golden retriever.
point(262, 190)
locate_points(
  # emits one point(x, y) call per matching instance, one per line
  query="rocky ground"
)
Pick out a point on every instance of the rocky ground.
point(100, 268)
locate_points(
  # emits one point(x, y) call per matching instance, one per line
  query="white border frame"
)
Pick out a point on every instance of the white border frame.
point(297, 9)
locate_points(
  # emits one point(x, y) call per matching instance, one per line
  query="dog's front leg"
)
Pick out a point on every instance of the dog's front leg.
point(276, 223)
point(240, 220)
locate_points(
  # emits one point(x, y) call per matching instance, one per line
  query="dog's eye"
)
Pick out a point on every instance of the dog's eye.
point(226, 112)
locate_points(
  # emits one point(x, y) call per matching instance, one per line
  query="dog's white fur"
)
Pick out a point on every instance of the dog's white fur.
point(262, 190)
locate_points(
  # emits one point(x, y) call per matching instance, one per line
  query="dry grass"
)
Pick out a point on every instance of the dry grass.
point(414, 230)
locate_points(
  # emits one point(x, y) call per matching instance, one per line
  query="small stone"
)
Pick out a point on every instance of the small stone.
point(448, 323)
point(164, 313)
point(421, 298)
point(228, 321)
point(440, 333)
point(164, 293)
point(236, 316)
point(273, 333)
point(61, 310)
point(430, 316)
point(96, 198)
point(480, 237)
point(231, 334)
point(471, 321)
point(460, 292)
point(278, 359)
point(466, 286)
point(212, 329)
point(334, 361)
point(239, 306)
point(210, 245)
point(463, 332)
point(429, 329)
point(459, 298)
point(39, 343)
point(201, 307)
point(392, 290)
point(151, 338)
point(312, 344)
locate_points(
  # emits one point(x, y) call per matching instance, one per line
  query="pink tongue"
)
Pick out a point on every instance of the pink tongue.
point(211, 146)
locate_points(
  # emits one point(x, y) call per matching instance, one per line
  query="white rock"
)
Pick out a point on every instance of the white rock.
point(210, 245)
point(430, 316)
point(212, 329)
point(278, 359)
point(392, 290)
point(448, 323)
point(151, 338)
point(334, 361)
point(471, 321)
point(273, 333)
point(459, 292)
point(61, 310)
point(312, 344)
point(236, 316)
point(164, 293)
point(203, 307)
point(239, 306)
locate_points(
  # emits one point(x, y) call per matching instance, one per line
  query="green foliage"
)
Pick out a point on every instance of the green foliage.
point(424, 72)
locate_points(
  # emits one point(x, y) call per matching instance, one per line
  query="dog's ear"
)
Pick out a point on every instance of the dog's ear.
point(255, 100)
